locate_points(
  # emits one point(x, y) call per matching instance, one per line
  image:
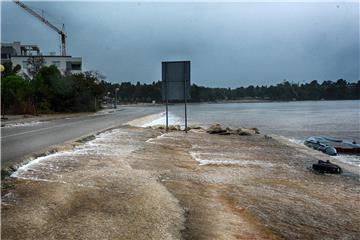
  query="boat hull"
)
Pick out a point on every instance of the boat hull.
point(332, 146)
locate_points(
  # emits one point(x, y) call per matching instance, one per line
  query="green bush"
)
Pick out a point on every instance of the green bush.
point(49, 91)
point(14, 93)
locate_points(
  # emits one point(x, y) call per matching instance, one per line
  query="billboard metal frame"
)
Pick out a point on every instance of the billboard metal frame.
point(166, 83)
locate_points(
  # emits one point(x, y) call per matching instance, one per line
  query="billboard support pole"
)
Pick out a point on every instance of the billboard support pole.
point(185, 100)
point(167, 108)
point(167, 116)
point(186, 128)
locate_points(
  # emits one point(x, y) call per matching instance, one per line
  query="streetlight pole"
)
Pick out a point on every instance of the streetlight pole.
point(108, 97)
point(116, 90)
point(95, 100)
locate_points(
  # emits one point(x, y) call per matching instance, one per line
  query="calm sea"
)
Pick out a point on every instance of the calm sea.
point(294, 120)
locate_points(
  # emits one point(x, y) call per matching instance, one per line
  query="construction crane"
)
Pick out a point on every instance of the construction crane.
point(61, 32)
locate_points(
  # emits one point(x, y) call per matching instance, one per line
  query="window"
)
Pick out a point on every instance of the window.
point(75, 66)
point(4, 56)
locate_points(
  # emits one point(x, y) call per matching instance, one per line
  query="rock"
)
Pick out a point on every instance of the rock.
point(197, 130)
point(256, 130)
point(160, 126)
point(194, 127)
point(225, 133)
point(163, 127)
point(174, 127)
point(215, 129)
point(267, 137)
point(245, 132)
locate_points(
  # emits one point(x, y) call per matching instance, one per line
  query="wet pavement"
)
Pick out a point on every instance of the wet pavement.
point(20, 139)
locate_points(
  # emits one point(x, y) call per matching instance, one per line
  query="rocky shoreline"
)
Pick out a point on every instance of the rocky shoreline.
point(145, 183)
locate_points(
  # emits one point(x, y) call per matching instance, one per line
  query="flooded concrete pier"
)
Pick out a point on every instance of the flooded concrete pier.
point(136, 183)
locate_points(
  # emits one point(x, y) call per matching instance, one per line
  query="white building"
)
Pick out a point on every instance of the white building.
point(23, 55)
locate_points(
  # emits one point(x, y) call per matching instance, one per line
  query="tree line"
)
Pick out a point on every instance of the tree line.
point(285, 91)
point(49, 91)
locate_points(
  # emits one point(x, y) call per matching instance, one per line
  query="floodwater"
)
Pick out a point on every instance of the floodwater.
point(241, 187)
point(293, 120)
point(144, 184)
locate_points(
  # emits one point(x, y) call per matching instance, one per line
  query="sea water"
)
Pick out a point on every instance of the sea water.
point(293, 120)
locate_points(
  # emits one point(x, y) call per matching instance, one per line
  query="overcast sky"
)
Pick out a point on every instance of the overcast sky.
point(228, 44)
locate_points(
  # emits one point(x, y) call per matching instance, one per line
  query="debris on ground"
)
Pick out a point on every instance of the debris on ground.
point(327, 167)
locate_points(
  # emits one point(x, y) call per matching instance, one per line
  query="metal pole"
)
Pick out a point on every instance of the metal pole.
point(116, 90)
point(185, 98)
point(115, 99)
point(166, 99)
point(185, 117)
point(167, 116)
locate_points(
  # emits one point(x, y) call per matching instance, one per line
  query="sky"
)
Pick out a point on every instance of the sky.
point(229, 44)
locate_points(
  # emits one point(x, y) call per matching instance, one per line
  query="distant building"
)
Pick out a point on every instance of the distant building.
point(24, 54)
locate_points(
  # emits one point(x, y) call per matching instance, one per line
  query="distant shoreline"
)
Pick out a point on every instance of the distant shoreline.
point(233, 101)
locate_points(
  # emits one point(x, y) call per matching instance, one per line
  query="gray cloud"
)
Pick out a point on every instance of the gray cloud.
point(229, 44)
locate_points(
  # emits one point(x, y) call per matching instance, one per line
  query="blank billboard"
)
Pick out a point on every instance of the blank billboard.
point(176, 80)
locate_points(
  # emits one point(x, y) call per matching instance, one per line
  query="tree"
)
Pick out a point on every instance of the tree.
point(14, 94)
point(34, 64)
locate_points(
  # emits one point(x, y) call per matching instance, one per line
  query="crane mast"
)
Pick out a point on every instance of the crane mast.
point(61, 32)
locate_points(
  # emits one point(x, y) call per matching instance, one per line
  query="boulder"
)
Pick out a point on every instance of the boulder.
point(245, 132)
point(160, 126)
point(163, 127)
point(256, 130)
point(174, 127)
point(215, 129)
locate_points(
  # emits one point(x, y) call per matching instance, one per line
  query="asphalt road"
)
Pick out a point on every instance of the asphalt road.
point(17, 142)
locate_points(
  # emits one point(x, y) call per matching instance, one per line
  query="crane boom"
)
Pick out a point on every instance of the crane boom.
point(44, 20)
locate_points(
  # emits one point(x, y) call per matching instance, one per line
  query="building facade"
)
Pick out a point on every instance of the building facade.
point(27, 55)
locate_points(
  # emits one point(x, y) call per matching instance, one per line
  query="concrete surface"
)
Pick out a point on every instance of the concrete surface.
point(133, 183)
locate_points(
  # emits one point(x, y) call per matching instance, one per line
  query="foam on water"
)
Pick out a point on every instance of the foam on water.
point(349, 159)
point(153, 140)
point(161, 120)
point(296, 141)
point(27, 166)
point(218, 160)
point(101, 146)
